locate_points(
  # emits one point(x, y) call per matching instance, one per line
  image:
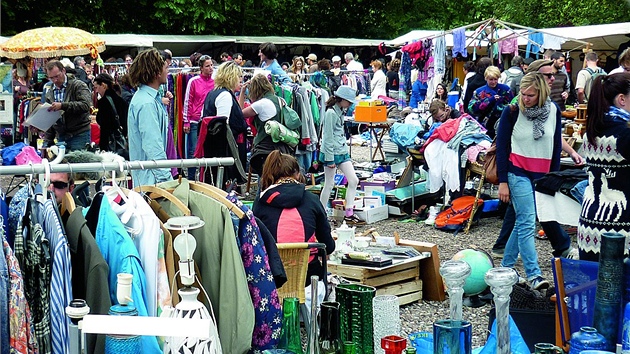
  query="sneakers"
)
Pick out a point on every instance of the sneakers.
point(539, 283)
point(433, 211)
point(353, 219)
point(498, 252)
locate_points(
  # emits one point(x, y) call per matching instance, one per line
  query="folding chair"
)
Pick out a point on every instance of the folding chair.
point(295, 260)
point(576, 284)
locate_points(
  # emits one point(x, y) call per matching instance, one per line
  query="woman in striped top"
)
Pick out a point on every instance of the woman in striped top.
point(528, 147)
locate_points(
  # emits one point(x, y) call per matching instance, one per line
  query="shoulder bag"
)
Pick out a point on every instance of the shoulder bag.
point(116, 140)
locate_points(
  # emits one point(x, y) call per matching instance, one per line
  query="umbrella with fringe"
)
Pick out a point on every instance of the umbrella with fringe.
point(51, 42)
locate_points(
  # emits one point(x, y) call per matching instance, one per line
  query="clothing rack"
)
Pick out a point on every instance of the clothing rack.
point(111, 166)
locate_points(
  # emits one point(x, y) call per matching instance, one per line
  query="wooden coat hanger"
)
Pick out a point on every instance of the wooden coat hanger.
point(217, 194)
point(67, 203)
point(156, 192)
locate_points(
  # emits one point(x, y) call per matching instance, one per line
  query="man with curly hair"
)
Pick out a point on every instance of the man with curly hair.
point(147, 119)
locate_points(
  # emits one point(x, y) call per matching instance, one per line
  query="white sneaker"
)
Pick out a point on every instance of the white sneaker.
point(433, 211)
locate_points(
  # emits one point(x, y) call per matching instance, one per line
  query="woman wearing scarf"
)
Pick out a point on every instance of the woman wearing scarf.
point(529, 141)
point(607, 149)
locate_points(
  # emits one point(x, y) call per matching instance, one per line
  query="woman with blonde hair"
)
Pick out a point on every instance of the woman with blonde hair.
point(529, 141)
point(265, 106)
point(222, 102)
point(488, 101)
point(379, 80)
point(297, 70)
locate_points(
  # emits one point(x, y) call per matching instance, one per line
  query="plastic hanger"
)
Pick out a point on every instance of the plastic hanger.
point(156, 192)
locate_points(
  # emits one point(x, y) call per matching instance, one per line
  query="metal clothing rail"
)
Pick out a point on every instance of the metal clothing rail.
point(111, 166)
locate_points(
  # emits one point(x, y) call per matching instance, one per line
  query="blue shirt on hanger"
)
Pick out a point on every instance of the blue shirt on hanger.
point(121, 256)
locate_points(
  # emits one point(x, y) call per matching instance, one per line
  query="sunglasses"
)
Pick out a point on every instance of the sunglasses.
point(59, 184)
point(548, 75)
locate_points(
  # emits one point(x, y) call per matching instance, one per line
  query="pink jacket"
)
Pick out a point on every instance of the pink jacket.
point(198, 88)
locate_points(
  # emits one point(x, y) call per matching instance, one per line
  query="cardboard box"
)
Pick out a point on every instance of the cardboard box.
point(371, 202)
point(370, 103)
point(378, 185)
point(372, 215)
point(371, 114)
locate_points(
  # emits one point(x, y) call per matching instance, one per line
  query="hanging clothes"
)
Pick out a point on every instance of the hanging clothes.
point(220, 265)
point(89, 271)
point(439, 53)
point(262, 289)
point(144, 228)
point(61, 277)
point(552, 42)
point(21, 326)
point(459, 42)
point(509, 46)
point(535, 47)
point(404, 74)
point(121, 256)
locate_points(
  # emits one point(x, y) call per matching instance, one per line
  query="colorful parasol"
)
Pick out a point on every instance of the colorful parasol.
point(51, 42)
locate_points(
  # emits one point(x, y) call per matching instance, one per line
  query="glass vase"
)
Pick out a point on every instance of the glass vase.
point(393, 344)
point(290, 336)
point(115, 344)
point(454, 273)
point(329, 341)
point(355, 308)
point(452, 337)
point(501, 280)
point(386, 318)
point(349, 348)
point(587, 338)
point(609, 287)
point(312, 344)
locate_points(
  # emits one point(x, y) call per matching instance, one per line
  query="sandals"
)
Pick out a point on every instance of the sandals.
point(353, 219)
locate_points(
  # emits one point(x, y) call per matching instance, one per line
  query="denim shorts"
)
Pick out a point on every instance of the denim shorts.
point(337, 159)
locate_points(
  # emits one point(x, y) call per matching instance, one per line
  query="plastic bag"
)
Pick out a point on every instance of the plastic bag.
point(517, 343)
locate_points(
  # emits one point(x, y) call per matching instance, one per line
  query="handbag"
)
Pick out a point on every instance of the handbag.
point(490, 164)
point(116, 140)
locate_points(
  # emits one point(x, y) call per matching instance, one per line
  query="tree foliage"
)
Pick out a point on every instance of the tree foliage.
point(383, 19)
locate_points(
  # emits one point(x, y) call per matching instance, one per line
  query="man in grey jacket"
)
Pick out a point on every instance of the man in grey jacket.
point(72, 97)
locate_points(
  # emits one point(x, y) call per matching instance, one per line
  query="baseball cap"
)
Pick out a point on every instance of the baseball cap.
point(336, 58)
point(537, 64)
point(312, 57)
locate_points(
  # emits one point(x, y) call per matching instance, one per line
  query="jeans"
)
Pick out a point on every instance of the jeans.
point(559, 239)
point(506, 228)
point(522, 237)
point(191, 145)
point(76, 142)
point(304, 161)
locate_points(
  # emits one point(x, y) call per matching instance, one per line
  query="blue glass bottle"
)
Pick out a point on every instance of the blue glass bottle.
point(587, 338)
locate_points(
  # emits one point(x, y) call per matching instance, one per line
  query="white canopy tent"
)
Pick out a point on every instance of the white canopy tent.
point(601, 37)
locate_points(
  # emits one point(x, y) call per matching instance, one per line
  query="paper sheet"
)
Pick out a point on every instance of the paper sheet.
point(43, 119)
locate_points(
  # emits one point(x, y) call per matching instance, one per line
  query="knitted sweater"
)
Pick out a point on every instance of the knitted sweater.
point(519, 153)
point(605, 204)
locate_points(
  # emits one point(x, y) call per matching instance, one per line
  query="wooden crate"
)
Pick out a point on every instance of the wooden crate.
point(402, 280)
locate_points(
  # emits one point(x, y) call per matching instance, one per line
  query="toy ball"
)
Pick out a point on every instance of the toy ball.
point(541, 232)
point(480, 262)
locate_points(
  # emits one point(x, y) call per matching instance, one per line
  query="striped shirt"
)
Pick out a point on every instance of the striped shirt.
point(61, 279)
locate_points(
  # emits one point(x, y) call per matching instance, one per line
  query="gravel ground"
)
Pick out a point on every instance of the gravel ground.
point(420, 316)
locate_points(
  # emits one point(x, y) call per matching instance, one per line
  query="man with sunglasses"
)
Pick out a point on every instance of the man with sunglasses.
point(60, 183)
point(196, 92)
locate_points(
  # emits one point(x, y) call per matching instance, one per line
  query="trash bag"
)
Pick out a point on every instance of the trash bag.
point(517, 343)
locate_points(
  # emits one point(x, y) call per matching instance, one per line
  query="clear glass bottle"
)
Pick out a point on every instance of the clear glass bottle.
point(501, 280)
point(454, 273)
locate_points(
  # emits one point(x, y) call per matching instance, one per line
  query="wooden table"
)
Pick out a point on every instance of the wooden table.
point(410, 279)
